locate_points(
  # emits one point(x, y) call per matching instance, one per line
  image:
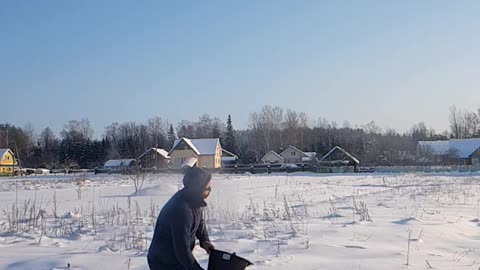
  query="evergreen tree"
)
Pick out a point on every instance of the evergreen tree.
point(171, 137)
point(230, 144)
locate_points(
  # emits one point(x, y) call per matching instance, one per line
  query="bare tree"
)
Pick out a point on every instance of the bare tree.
point(112, 135)
point(291, 125)
point(48, 144)
point(77, 131)
point(157, 131)
point(456, 122)
point(372, 128)
point(419, 132)
point(267, 127)
point(471, 121)
point(185, 129)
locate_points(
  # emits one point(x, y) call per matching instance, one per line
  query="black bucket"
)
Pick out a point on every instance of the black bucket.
point(221, 260)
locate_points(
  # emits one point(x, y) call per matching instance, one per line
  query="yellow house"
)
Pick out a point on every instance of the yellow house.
point(203, 153)
point(7, 161)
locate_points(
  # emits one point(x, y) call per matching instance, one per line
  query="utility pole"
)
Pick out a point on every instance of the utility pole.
point(156, 149)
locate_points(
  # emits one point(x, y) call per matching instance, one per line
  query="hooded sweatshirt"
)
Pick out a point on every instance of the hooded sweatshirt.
point(179, 223)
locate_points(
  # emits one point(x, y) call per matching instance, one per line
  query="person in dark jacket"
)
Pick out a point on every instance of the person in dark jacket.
point(179, 223)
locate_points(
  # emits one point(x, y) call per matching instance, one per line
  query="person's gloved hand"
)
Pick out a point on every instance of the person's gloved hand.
point(207, 246)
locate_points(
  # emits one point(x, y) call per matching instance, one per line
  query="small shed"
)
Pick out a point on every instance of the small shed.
point(119, 163)
point(460, 151)
point(7, 161)
point(154, 158)
point(338, 157)
point(311, 158)
point(228, 158)
point(272, 158)
point(293, 155)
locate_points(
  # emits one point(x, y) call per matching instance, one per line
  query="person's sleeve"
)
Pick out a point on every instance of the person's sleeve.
point(202, 233)
point(181, 241)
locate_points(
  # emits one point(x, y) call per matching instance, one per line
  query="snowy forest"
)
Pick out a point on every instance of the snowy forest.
point(271, 128)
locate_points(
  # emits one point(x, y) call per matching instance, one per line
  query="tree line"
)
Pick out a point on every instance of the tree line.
point(270, 128)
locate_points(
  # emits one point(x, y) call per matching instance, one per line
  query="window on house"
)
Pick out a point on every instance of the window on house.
point(293, 153)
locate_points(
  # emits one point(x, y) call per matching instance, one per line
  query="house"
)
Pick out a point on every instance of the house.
point(119, 164)
point(228, 158)
point(338, 157)
point(272, 158)
point(154, 158)
point(293, 155)
point(207, 152)
point(460, 151)
point(7, 161)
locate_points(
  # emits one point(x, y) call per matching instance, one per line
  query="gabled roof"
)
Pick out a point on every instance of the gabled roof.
point(229, 154)
point(462, 148)
point(4, 150)
point(272, 153)
point(310, 156)
point(291, 147)
point(119, 162)
point(199, 146)
point(325, 158)
point(160, 151)
point(437, 148)
point(189, 162)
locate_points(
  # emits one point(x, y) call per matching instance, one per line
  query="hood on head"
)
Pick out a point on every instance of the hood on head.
point(196, 179)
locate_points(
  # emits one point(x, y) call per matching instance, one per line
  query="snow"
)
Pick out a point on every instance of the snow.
point(206, 146)
point(324, 158)
point(160, 151)
point(310, 156)
point(189, 162)
point(226, 153)
point(437, 148)
point(114, 163)
point(200, 146)
point(280, 221)
point(463, 148)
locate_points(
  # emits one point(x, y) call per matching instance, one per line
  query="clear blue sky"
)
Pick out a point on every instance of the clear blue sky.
point(395, 62)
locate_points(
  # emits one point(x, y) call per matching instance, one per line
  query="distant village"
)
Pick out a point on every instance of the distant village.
point(276, 140)
point(208, 153)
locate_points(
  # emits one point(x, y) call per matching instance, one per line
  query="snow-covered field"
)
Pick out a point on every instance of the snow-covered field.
point(282, 222)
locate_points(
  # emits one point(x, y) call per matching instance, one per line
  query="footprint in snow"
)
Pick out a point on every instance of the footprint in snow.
point(68, 267)
point(406, 221)
point(355, 247)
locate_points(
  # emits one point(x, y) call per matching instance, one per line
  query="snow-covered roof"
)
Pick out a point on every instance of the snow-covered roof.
point(338, 148)
point(291, 147)
point(436, 148)
point(310, 156)
point(462, 148)
point(227, 158)
point(118, 162)
point(272, 153)
point(189, 162)
point(226, 153)
point(200, 146)
point(160, 151)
